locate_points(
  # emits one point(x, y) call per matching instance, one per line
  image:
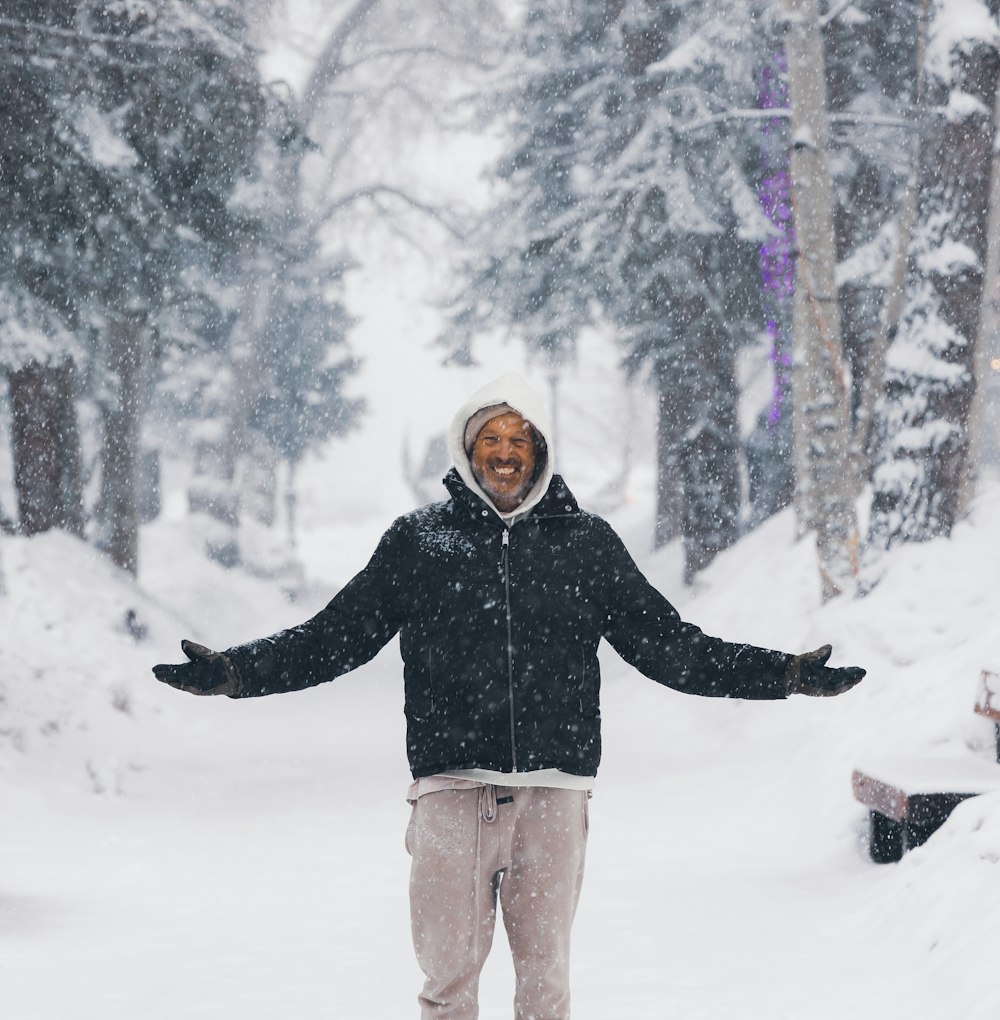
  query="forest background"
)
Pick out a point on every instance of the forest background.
point(757, 196)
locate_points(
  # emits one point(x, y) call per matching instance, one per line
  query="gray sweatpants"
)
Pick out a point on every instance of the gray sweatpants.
point(523, 845)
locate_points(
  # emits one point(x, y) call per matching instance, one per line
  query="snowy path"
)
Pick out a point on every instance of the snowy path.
point(255, 869)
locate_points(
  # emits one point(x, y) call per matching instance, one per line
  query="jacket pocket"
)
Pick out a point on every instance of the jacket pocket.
point(420, 696)
point(582, 687)
point(587, 689)
point(430, 681)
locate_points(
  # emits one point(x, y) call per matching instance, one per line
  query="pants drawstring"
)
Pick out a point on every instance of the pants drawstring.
point(488, 814)
point(488, 803)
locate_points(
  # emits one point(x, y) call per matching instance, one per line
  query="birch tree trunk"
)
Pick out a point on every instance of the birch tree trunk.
point(822, 427)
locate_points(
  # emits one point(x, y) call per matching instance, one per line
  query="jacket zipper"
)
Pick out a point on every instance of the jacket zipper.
point(505, 560)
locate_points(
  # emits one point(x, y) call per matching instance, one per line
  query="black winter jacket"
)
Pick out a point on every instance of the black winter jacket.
point(499, 631)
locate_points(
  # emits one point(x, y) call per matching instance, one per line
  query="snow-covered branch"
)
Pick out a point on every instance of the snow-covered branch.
point(835, 12)
point(375, 192)
point(329, 65)
point(782, 113)
point(391, 53)
point(37, 29)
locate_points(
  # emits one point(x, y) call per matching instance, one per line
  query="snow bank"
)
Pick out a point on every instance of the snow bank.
point(177, 856)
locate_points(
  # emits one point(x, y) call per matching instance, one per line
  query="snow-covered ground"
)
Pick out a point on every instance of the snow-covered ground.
point(164, 856)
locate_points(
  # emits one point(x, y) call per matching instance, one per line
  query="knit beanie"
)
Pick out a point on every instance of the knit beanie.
point(479, 419)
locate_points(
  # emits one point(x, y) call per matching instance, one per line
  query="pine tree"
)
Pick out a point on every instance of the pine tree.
point(680, 248)
point(527, 273)
point(872, 63)
point(923, 415)
point(141, 121)
point(38, 346)
point(628, 196)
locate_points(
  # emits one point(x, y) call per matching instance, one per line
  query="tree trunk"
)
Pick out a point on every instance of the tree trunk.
point(924, 416)
point(669, 472)
point(45, 443)
point(986, 358)
point(121, 454)
point(819, 391)
point(711, 496)
point(215, 490)
point(711, 456)
point(770, 466)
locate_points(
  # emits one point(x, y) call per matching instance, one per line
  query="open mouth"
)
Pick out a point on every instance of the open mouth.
point(505, 471)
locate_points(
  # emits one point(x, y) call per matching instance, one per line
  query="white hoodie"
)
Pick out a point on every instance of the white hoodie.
point(513, 391)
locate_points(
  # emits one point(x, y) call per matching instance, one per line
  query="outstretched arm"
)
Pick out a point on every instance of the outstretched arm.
point(348, 632)
point(646, 630)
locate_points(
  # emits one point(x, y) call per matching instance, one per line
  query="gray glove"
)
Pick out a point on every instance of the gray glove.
point(208, 672)
point(809, 674)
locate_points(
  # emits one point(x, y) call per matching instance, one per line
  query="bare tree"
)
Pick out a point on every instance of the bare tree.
point(383, 72)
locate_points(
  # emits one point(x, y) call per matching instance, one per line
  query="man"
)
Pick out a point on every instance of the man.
point(500, 596)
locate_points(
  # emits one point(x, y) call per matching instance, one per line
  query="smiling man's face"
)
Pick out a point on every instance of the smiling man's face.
point(503, 460)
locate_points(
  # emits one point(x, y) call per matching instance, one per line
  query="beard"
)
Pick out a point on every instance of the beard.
point(506, 495)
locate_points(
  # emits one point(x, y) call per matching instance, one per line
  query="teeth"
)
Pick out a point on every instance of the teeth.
point(504, 470)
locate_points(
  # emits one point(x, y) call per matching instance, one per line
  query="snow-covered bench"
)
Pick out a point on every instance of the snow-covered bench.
point(910, 798)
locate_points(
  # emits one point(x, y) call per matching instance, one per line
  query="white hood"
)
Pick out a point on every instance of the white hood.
point(514, 391)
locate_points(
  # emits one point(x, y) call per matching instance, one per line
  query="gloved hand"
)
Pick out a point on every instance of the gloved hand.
point(208, 672)
point(809, 674)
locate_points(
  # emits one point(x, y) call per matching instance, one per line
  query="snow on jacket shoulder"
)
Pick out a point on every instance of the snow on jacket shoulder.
point(499, 632)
